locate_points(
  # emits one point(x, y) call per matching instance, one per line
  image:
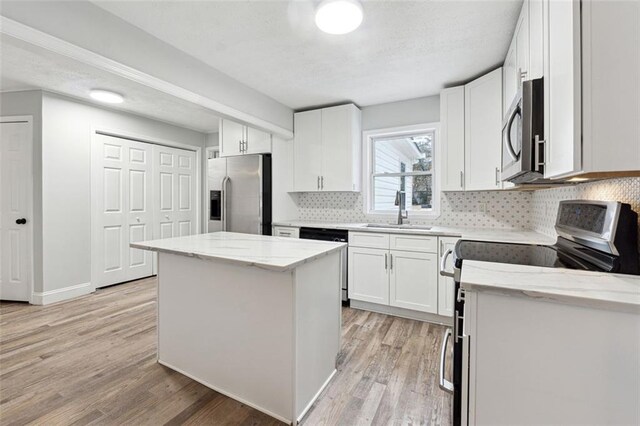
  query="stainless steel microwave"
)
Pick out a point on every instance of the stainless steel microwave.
point(523, 135)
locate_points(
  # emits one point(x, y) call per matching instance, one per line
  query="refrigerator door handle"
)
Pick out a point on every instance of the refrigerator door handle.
point(223, 210)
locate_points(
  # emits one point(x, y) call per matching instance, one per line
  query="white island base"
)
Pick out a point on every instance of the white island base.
point(266, 338)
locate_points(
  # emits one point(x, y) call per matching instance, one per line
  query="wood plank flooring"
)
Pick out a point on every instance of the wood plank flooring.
point(93, 361)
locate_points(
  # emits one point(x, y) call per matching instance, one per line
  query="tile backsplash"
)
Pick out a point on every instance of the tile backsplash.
point(503, 210)
point(544, 203)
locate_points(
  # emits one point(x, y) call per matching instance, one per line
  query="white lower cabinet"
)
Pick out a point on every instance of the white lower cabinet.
point(380, 273)
point(413, 281)
point(533, 362)
point(369, 275)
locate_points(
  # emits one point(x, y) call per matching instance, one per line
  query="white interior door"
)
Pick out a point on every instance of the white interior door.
point(15, 210)
point(175, 193)
point(123, 209)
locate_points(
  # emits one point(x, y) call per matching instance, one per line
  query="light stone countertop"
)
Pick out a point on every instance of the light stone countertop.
point(273, 253)
point(619, 292)
point(496, 235)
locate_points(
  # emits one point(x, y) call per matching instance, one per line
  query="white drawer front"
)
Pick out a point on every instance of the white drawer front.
point(284, 231)
point(369, 240)
point(414, 243)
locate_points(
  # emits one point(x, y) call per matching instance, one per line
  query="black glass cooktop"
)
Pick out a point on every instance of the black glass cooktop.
point(563, 254)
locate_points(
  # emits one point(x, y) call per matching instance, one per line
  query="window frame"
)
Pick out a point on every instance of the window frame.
point(368, 163)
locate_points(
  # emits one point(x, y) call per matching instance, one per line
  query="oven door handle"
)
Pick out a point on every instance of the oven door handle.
point(445, 385)
point(443, 265)
point(507, 141)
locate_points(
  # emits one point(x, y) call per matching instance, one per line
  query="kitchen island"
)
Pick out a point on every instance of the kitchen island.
point(254, 317)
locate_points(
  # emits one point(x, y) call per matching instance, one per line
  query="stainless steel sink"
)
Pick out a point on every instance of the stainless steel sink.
point(396, 226)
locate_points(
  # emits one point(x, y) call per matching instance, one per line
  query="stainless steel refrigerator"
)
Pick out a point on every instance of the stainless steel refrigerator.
point(240, 194)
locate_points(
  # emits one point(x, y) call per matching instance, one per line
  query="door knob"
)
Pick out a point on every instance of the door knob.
point(21, 221)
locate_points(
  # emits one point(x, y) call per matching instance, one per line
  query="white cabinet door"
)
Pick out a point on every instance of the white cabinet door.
point(522, 44)
point(452, 136)
point(123, 209)
point(510, 77)
point(446, 286)
point(369, 275)
point(483, 132)
point(258, 142)
point(413, 282)
point(307, 147)
point(562, 121)
point(536, 40)
point(15, 199)
point(175, 192)
point(232, 136)
point(340, 135)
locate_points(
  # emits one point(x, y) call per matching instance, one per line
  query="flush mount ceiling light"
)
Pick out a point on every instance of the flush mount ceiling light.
point(106, 96)
point(339, 16)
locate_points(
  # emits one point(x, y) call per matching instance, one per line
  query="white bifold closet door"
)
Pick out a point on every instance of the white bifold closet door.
point(136, 187)
point(174, 192)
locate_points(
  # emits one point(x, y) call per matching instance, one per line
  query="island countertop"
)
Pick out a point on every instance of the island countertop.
point(263, 251)
point(593, 289)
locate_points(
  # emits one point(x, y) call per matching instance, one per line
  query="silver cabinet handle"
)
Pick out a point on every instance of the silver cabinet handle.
point(321, 182)
point(246, 146)
point(441, 247)
point(386, 265)
point(318, 184)
point(443, 265)
point(445, 385)
point(240, 145)
point(461, 179)
point(390, 260)
point(497, 176)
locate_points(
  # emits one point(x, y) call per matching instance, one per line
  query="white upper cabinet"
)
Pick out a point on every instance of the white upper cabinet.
point(327, 147)
point(510, 77)
point(521, 38)
point(238, 139)
point(230, 136)
point(562, 88)
point(536, 39)
point(257, 141)
point(307, 164)
point(452, 138)
point(592, 81)
point(483, 132)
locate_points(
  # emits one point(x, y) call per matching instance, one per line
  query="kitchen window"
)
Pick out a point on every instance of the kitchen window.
point(402, 159)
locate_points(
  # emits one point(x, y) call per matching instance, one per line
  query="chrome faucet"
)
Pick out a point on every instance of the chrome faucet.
point(400, 200)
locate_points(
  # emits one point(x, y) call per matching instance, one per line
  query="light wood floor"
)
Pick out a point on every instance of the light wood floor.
point(93, 361)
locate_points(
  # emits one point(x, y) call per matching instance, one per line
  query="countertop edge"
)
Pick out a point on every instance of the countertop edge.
point(586, 302)
point(260, 265)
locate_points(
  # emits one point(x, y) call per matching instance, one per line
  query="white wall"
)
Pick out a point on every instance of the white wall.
point(30, 103)
point(402, 113)
point(66, 172)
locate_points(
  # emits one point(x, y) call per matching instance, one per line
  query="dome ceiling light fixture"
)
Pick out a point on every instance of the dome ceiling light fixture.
point(339, 16)
point(106, 96)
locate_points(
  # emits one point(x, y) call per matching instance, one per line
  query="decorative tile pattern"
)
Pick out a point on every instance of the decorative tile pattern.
point(544, 203)
point(504, 210)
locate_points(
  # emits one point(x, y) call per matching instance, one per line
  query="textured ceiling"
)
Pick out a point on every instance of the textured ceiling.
point(403, 49)
point(24, 66)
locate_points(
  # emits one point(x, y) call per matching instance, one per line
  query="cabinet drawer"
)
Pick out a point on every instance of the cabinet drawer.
point(369, 240)
point(285, 231)
point(414, 243)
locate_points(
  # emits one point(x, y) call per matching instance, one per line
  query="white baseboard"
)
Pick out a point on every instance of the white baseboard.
point(401, 312)
point(66, 293)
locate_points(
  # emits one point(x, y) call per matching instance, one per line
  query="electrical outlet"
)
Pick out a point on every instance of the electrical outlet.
point(482, 207)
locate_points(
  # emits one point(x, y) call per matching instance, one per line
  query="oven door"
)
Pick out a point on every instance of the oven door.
point(512, 164)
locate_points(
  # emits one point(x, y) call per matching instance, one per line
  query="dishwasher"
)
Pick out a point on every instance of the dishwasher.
point(338, 235)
